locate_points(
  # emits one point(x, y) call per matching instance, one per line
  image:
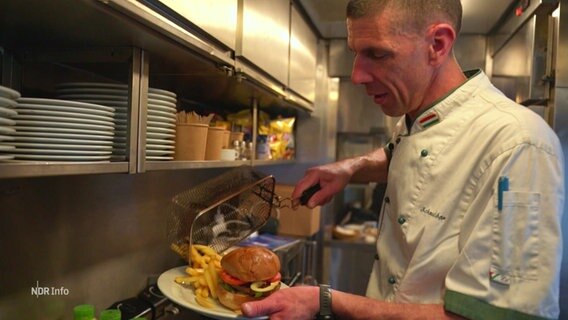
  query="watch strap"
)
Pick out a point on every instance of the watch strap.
point(325, 302)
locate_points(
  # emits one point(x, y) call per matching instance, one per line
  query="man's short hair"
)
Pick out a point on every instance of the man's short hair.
point(418, 13)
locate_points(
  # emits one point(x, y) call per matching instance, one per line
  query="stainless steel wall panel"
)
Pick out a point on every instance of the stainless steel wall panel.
point(266, 36)
point(303, 51)
point(340, 58)
point(470, 51)
point(216, 17)
point(520, 65)
point(562, 47)
point(357, 111)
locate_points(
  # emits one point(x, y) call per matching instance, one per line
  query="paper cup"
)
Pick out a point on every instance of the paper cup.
point(215, 142)
point(226, 139)
point(236, 136)
point(191, 141)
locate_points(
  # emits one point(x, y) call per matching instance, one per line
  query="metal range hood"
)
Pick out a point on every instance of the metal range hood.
point(521, 51)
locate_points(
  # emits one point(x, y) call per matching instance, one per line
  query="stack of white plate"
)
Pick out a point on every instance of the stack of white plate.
point(59, 130)
point(8, 111)
point(161, 117)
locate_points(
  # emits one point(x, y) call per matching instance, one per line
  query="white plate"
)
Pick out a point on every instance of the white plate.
point(156, 135)
point(7, 112)
point(161, 102)
point(32, 111)
point(65, 125)
point(9, 93)
point(160, 130)
point(93, 97)
point(160, 141)
point(108, 86)
point(158, 124)
point(67, 158)
point(24, 130)
point(168, 109)
point(7, 147)
point(44, 139)
point(73, 120)
point(6, 156)
point(160, 113)
point(45, 151)
point(160, 119)
point(111, 92)
point(58, 102)
point(62, 146)
point(101, 112)
point(7, 138)
point(159, 158)
point(186, 298)
point(158, 147)
point(7, 130)
point(158, 152)
point(104, 102)
point(10, 103)
point(7, 122)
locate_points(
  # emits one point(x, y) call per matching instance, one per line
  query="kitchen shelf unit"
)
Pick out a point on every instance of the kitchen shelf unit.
point(157, 53)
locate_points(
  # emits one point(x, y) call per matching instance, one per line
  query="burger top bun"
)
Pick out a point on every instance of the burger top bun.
point(251, 264)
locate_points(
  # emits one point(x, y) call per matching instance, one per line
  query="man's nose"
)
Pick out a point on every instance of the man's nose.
point(359, 73)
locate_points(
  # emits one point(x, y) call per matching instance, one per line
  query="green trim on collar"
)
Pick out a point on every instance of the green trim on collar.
point(476, 309)
point(468, 74)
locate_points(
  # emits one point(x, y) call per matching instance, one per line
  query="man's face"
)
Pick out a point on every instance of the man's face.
point(392, 63)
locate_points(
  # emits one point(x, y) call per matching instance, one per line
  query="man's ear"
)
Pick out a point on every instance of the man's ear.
point(441, 37)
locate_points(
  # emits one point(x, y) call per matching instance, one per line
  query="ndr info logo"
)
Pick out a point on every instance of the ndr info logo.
point(49, 291)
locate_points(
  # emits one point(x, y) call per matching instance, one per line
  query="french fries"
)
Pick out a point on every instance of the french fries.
point(202, 274)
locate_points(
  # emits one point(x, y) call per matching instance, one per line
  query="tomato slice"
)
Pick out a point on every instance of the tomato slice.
point(277, 277)
point(229, 279)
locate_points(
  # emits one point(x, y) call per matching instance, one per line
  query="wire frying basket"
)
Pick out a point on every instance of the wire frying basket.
point(222, 211)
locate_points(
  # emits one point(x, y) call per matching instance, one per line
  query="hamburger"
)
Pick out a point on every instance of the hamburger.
point(247, 274)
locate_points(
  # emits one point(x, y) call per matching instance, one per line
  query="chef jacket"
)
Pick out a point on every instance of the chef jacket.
point(443, 236)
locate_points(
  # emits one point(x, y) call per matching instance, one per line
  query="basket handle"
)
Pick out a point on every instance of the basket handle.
point(308, 193)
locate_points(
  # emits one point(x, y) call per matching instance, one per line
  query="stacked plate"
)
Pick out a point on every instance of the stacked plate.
point(59, 130)
point(8, 111)
point(161, 117)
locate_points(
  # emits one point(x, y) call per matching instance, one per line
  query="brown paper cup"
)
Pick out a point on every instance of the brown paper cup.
point(236, 136)
point(215, 142)
point(191, 141)
point(226, 139)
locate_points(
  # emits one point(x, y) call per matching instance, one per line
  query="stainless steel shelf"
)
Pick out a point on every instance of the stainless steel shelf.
point(271, 162)
point(176, 165)
point(41, 169)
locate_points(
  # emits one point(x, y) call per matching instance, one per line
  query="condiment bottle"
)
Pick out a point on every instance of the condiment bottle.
point(84, 312)
point(110, 314)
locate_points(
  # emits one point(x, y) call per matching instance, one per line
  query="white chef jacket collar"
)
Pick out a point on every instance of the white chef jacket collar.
point(444, 106)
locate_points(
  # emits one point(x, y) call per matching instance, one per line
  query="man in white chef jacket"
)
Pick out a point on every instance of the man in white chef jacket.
point(470, 224)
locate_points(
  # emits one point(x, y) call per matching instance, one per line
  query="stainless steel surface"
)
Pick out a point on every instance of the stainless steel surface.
point(340, 58)
point(266, 36)
point(479, 17)
point(155, 21)
point(358, 113)
point(303, 54)
point(562, 47)
point(26, 170)
point(218, 18)
point(520, 65)
point(470, 51)
point(512, 23)
point(137, 115)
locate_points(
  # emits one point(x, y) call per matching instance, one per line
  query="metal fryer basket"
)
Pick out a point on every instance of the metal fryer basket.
point(222, 211)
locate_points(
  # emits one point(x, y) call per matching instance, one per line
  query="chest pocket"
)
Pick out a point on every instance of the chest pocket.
point(515, 238)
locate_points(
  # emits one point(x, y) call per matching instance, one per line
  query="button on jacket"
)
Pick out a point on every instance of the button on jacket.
point(442, 238)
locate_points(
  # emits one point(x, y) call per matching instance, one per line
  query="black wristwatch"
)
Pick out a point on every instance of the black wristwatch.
point(325, 303)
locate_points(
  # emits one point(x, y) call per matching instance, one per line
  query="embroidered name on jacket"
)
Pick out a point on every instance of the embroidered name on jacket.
point(433, 214)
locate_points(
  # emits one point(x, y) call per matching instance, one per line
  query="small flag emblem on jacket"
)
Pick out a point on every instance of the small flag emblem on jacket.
point(429, 120)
